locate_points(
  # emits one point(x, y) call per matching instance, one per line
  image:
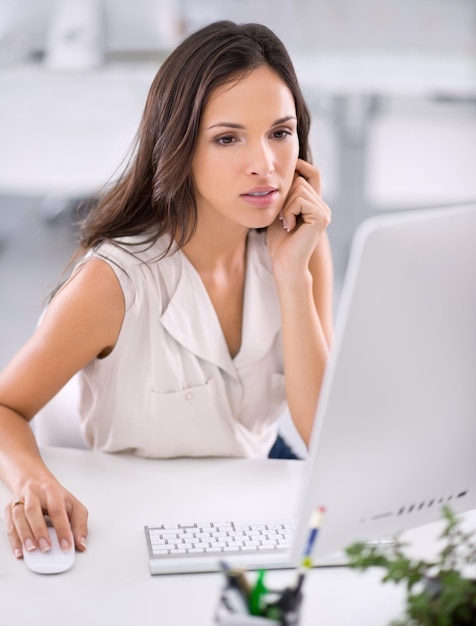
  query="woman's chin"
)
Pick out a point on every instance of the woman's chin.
point(263, 221)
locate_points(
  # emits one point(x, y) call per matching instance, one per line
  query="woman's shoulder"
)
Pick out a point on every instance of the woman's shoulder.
point(130, 251)
point(133, 260)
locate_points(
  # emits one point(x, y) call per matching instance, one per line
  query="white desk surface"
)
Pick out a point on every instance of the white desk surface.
point(111, 584)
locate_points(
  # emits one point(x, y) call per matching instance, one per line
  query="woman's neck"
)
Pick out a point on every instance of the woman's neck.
point(222, 252)
point(221, 265)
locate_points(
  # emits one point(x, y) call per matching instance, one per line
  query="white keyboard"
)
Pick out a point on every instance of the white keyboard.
point(200, 546)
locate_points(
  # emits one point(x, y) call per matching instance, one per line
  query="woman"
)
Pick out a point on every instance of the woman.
point(202, 302)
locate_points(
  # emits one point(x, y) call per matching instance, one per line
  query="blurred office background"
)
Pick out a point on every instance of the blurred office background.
point(391, 85)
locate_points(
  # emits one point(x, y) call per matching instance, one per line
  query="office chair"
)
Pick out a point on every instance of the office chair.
point(58, 423)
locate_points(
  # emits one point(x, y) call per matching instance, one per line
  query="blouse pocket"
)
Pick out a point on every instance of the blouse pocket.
point(188, 422)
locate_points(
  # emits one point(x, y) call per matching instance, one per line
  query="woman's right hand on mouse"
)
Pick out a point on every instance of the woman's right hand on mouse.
point(25, 520)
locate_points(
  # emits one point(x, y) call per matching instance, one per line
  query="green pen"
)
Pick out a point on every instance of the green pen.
point(256, 595)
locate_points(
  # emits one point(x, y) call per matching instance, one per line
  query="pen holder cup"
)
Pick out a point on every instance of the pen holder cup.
point(232, 612)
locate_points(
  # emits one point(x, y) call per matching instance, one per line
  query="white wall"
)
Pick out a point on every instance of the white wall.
point(421, 153)
point(427, 26)
point(403, 26)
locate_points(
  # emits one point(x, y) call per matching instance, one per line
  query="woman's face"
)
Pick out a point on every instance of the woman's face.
point(246, 151)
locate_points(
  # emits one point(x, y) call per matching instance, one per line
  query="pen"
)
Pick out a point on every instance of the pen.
point(236, 579)
point(287, 605)
point(256, 595)
point(306, 563)
point(233, 601)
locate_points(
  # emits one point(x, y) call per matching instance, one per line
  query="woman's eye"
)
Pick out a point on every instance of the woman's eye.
point(226, 140)
point(281, 133)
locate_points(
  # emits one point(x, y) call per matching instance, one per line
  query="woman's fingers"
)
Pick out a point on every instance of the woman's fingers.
point(57, 510)
point(304, 201)
point(27, 524)
point(14, 539)
point(303, 219)
point(30, 524)
point(78, 517)
point(310, 173)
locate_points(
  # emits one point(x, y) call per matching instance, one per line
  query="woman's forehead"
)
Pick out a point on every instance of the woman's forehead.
point(258, 91)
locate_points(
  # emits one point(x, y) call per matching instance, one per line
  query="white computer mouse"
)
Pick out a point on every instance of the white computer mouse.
point(54, 561)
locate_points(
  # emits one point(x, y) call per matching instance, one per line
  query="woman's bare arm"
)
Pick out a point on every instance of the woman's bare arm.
point(302, 266)
point(82, 322)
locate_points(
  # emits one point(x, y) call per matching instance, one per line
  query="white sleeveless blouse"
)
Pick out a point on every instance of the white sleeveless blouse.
point(170, 387)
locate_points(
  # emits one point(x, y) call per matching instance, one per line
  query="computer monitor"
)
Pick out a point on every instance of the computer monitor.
point(395, 431)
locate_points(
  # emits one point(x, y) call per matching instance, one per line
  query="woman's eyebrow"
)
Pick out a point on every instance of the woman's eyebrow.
point(281, 120)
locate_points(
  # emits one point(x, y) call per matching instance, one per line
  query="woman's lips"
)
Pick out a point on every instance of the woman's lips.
point(260, 198)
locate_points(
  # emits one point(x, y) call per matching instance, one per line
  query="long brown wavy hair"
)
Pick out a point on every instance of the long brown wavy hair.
point(155, 194)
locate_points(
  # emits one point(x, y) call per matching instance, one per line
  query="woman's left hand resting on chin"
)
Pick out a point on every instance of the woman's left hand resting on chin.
point(302, 267)
point(294, 236)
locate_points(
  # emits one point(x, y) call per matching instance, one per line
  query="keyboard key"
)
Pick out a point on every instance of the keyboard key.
point(214, 550)
point(231, 549)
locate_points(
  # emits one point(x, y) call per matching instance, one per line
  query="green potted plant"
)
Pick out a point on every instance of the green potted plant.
point(438, 593)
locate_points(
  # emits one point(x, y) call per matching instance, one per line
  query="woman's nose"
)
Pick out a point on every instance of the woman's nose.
point(261, 160)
